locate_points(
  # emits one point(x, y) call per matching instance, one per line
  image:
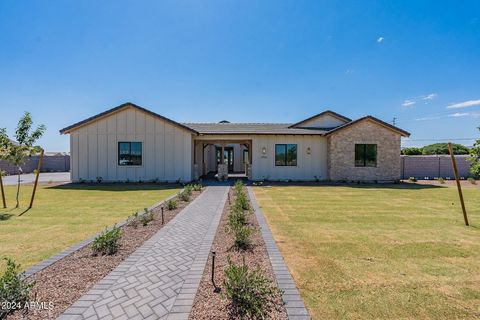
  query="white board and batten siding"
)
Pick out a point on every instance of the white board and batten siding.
point(309, 167)
point(166, 148)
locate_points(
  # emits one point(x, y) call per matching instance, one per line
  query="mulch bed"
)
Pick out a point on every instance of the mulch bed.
point(209, 304)
point(67, 280)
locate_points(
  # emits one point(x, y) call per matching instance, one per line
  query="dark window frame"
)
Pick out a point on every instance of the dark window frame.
point(366, 162)
point(286, 162)
point(130, 155)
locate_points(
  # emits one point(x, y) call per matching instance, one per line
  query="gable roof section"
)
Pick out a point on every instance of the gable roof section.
point(326, 112)
point(371, 118)
point(117, 109)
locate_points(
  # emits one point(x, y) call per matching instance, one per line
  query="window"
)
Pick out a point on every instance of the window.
point(285, 154)
point(365, 155)
point(129, 153)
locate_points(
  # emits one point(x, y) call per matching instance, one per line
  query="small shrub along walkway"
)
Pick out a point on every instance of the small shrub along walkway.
point(245, 286)
point(65, 281)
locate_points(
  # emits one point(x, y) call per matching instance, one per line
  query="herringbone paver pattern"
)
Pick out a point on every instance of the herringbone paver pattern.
point(160, 279)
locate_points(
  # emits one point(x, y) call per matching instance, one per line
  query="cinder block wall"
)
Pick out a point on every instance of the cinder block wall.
point(434, 166)
point(341, 153)
point(50, 164)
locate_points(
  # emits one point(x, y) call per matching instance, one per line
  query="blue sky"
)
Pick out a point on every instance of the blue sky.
point(244, 61)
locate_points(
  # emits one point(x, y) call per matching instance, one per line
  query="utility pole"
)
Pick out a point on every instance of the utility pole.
point(394, 121)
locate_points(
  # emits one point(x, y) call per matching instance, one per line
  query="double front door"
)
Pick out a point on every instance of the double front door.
point(227, 157)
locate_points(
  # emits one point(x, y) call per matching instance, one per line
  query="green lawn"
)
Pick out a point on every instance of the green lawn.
point(64, 215)
point(379, 252)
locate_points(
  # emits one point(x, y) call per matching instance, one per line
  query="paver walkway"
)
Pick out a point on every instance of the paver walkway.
point(160, 279)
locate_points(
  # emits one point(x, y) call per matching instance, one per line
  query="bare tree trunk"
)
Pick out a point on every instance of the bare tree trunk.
point(3, 191)
point(18, 190)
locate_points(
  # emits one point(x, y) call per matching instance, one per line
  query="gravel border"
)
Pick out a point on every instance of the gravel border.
point(80, 245)
point(291, 297)
point(209, 303)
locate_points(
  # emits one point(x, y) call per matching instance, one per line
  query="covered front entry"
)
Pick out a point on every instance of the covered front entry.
point(228, 157)
point(221, 159)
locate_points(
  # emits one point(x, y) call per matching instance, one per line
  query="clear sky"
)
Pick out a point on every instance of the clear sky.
point(244, 61)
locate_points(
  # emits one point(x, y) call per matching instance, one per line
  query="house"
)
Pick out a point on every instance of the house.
point(132, 143)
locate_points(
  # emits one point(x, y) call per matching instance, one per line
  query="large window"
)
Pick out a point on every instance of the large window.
point(129, 153)
point(365, 155)
point(285, 154)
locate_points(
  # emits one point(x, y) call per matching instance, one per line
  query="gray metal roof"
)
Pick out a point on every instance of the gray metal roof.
point(252, 128)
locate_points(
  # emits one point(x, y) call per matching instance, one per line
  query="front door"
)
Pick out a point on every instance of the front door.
point(227, 157)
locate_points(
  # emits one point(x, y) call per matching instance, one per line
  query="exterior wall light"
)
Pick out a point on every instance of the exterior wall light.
point(264, 150)
point(309, 150)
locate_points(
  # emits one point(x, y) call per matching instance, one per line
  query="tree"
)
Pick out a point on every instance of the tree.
point(5, 147)
point(24, 147)
point(412, 151)
point(442, 148)
point(474, 158)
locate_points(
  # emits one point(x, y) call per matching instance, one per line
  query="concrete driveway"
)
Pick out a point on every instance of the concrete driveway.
point(44, 177)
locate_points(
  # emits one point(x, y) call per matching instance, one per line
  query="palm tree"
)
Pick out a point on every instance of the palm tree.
point(24, 146)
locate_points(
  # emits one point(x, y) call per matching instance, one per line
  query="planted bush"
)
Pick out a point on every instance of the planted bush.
point(107, 242)
point(133, 220)
point(238, 187)
point(441, 180)
point(172, 204)
point(236, 216)
point(197, 187)
point(184, 195)
point(145, 218)
point(14, 289)
point(241, 201)
point(251, 294)
point(241, 234)
point(472, 180)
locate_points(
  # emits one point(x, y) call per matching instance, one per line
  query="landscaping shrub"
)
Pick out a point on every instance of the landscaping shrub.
point(172, 204)
point(133, 220)
point(241, 201)
point(14, 289)
point(107, 242)
point(412, 179)
point(184, 195)
point(472, 180)
point(441, 180)
point(197, 187)
point(145, 218)
point(236, 216)
point(238, 187)
point(252, 295)
point(241, 235)
point(99, 179)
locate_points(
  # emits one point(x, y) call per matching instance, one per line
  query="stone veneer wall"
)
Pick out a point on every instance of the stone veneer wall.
point(341, 153)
